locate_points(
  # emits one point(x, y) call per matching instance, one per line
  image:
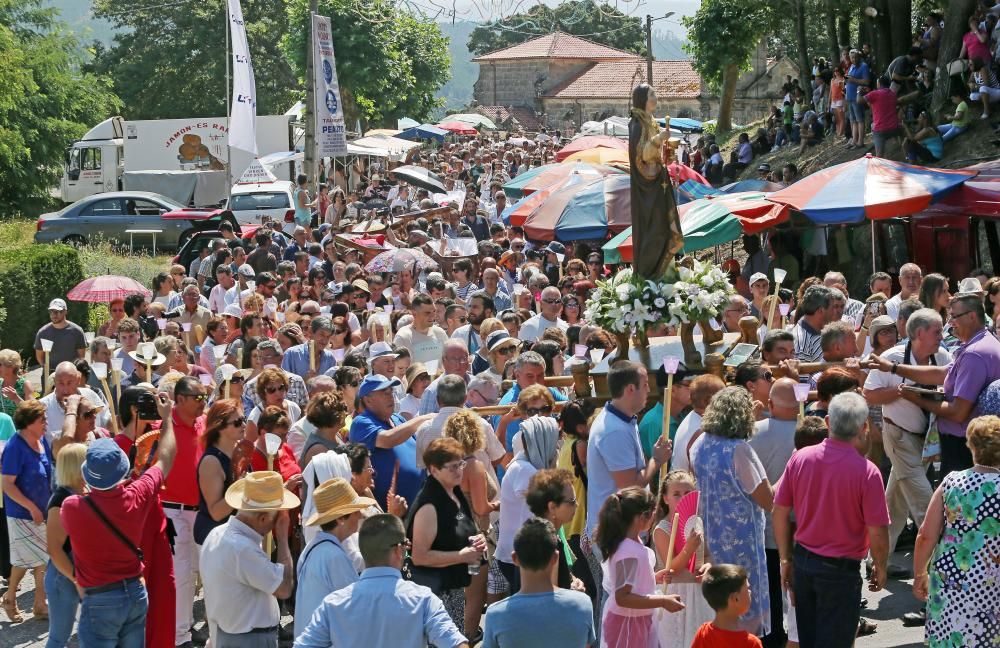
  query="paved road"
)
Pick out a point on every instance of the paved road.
point(884, 609)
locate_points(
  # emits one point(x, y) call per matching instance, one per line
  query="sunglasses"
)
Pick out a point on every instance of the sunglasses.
point(354, 384)
point(198, 397)
point(90, 414)
point(270, 286)
point(538, 411)
point(463, 320)
point(506, 351)
point(237, 380)
point(237, 422)
point(551, 301)
point(276, 389)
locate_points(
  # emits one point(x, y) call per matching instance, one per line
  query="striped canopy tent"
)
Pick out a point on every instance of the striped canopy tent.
point(537, 178)
point(589, 142)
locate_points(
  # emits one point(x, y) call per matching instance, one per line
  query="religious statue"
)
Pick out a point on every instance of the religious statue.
point(656, 226)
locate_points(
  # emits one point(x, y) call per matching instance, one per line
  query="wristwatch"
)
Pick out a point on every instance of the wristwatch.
point(895, 365)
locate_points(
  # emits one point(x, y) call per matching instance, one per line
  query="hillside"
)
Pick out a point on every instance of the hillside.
point(77, 14)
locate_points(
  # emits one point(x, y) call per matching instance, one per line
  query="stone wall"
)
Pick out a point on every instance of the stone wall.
point(570, 110)
point(518, 83)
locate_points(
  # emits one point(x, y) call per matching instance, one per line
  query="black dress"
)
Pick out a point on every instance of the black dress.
point(455, 525)
point(203, 521)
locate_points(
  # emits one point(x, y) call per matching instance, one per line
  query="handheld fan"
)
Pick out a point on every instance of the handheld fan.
point(688, 523)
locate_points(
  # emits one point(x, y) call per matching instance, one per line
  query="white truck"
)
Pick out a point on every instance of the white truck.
point(184, 159)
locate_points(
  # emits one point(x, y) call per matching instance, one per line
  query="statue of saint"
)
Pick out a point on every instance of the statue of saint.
point(656, 226)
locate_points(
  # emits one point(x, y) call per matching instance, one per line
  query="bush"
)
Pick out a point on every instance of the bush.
point(30, 277)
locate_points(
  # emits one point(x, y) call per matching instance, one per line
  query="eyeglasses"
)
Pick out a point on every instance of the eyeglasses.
point(572, 304)
point(237, 380)
point(955, 316)
point(517, 248)
point(463, 320)
point(506, 351)
point(270, 286)
point(355, 384)
point(89, 414)
point(405, 544)
point(198, 397)
point(454, 466)
point(276, 389)
point(538, 411)
point(551, 301)
point(571, 502)
point(237, 422)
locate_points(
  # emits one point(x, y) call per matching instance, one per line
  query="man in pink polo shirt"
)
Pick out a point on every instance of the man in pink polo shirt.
point(840, 513)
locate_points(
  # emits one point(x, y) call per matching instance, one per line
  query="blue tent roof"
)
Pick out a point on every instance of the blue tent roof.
point(683, 124)
point(424, 131)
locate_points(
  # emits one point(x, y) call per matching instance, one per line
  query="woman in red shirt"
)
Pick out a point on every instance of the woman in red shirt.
point(837, 99)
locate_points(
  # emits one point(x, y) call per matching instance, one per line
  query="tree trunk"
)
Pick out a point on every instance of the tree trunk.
point(881, 39)
point(831, 31)
point(956, 19)
point(729, 77)
point(900, 12)
point(844, 28)
point(805, 63)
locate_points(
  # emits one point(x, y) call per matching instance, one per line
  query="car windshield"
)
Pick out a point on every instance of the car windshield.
point(246, 202)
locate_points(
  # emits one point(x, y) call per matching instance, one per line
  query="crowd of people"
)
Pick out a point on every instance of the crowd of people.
point(394, 458)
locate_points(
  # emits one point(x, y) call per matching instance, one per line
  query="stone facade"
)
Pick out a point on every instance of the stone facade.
point(522, 82)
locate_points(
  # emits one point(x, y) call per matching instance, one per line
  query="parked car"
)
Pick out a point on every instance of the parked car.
point(256, 203)
point(109, 216)
point(203, 238)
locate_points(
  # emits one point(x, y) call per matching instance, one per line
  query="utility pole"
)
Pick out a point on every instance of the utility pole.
point(309, 162)
point(649, 49)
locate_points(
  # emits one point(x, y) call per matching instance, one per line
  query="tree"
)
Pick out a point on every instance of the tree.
point(169, 61)
point(390, 63)
point(46, 101)
point(595, 21)
point(956, 23)
point(739, 24)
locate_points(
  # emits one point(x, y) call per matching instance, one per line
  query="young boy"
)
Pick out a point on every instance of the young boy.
point(727, 590)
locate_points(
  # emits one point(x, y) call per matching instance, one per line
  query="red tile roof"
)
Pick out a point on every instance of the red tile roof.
point(672, 80)
point(557, 45)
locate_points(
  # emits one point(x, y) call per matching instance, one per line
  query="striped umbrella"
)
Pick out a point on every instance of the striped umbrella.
point(590, 142)
point(711, 221)
point(582, 211)
point(518, 212)
point(600, 155)
point(540, 177)
point(868, 187)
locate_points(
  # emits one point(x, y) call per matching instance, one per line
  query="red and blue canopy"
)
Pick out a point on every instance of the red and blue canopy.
point(869, 187)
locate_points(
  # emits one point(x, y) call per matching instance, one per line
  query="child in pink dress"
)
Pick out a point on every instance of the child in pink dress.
point(629, 579)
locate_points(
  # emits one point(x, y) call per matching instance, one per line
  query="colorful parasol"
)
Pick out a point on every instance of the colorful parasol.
point(458, 128)
point(583, 211)
point(107, 288)
point(517, 213)
point(868, 187)
point(599, 155)
point(398, 259)
point(590, 142)
point(472, 119)
point(540, 177)
point(681, 173)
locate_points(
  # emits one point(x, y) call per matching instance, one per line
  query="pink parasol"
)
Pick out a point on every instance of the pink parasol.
point(106, 288)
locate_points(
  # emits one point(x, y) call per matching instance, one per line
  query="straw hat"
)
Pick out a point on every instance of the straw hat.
point(335, 498)
point(261, 491)
point(413, 372)
point(155, 361)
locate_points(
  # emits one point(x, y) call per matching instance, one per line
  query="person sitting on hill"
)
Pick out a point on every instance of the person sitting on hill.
point(960, 119)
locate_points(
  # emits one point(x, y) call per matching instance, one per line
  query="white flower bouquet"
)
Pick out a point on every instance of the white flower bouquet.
point(625, 303)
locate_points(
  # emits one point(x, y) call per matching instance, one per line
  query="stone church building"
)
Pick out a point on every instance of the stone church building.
point(560, 81)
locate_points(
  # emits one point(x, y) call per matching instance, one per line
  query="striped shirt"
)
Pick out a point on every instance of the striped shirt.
point(808, 342)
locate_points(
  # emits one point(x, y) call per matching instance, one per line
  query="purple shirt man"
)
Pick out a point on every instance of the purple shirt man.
point(976, 365)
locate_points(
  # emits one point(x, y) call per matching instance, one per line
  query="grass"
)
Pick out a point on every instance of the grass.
point(99, 257)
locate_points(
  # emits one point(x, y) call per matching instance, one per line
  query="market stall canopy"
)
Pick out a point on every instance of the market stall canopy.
point(974, 198)
point(382, 132)
point(458, 128)
point(392, 144)
point(590, 142)
point(543, 176)
point(404, 123)
point(683, 124)
point(583, 211)
point(612, 126)
point(868, 187)
point(475, 120)
point(424, 131)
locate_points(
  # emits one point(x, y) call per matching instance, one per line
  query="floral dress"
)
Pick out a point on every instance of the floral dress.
point(963, 603)
point(734, 524)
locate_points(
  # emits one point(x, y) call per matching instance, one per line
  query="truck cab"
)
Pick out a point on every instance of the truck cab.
point(95, 163)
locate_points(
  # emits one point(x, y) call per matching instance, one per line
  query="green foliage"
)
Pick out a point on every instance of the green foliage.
point(725, 32)
point(390, 63)
point(596, 21)
point(46, 101)
point(170, 61)
point(30, 277)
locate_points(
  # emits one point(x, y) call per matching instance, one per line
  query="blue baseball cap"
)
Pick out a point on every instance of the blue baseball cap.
point(374, 383)
point(105, 465)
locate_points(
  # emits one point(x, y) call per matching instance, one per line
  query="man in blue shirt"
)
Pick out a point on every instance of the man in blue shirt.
point(325, 566)
point(296, 358)
point(540, 615)
point(858, 76)
point(389, 438)
point(381, 609)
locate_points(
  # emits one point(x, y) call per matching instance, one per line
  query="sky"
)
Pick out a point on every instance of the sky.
point(481, 10)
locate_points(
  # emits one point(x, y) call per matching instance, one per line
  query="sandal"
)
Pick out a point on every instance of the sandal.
point(866, 627)
point(10, 609)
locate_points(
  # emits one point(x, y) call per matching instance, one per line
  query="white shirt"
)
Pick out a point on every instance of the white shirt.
point(294, 413)
point(902, 412)
point(220, 297)
point(892, 306)
point(533, 327)
point(239, 580)
point(297, 435)
point(685, 432)
point(55, 414)
point(423, 347)
point(434, 429)
point(513, 505)
point(409, 404)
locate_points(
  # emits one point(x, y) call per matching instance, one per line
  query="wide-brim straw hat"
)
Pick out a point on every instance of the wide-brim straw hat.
point(261, 491)
point(336, 498)
point(155, 361)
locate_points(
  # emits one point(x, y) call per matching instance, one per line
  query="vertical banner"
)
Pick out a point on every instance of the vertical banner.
point(331, 139)
point(243, 119)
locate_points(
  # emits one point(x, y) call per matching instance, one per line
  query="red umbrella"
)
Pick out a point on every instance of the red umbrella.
point(106, 289)
point(459, 128)
point(589, 142)
point(682, 172)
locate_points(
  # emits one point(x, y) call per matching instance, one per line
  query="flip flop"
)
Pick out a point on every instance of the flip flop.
point(10, 609)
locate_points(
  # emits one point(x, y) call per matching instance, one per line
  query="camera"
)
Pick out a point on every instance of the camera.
point(147, 407)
